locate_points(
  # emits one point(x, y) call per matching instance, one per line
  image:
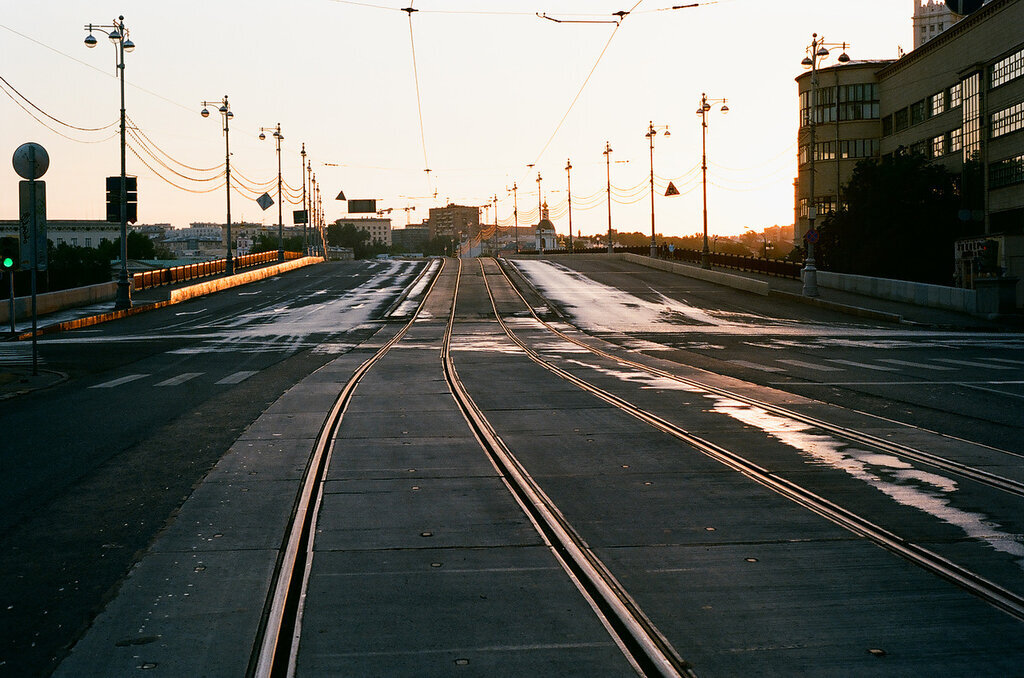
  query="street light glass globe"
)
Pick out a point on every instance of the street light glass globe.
point(262, 136)
point(114, 36)
point(725, 109)
point(90, 40)
point(822, 52)
point(807, 62)
point(230, 114)
point(205, 113)
point(129, 46)
point(844, 58)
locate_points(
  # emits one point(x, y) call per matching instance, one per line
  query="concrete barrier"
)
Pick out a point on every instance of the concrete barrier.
point(51, 302)
point(718, 277)
point(919, 294)
point(84, 296)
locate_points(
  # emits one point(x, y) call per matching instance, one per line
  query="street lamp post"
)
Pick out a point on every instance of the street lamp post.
point(515, 213)
point(122, 43)
point(540, 216)
point(568, 179)
point(608, 173)
point(280, 221)
point(305, 209)
point(652, 131)
point(817, 51)
point(226, 115)
point(703, 108)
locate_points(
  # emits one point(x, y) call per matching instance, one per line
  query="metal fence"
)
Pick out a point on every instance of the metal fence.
point(203, 269)
point(776, 267)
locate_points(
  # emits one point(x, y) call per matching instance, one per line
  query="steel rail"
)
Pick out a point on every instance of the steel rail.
point(648, 650)
point(1004, 599)
point(273, 653)
point(993, 480)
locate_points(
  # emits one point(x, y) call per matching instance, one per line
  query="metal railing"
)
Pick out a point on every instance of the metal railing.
point(777, 267)
point(203, 269)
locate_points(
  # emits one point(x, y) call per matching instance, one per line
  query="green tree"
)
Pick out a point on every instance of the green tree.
point(898, 220)
point(267, 242)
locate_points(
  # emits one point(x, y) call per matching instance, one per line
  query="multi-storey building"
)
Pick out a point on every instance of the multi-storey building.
point(454, 221)
point(379, 228)
point(845, 114)
point(958, 98)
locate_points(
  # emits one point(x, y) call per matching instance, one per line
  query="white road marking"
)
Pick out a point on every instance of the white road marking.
point(236, 378)
point(180, 379)
point(1007, 360)
point(122, 380)
point(908, 363)
point(863, 365)
point(971, 363)
point(756, 366)
point(811, 366)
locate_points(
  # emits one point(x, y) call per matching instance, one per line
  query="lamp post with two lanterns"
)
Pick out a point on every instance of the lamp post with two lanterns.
point(226, 115)
point(703, 108)
point(118, 36)
point(280, 221)
point(652, 131)
point(817, 51)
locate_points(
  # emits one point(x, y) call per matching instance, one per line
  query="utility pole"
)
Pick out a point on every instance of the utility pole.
point(608, 172)
point(568, 172)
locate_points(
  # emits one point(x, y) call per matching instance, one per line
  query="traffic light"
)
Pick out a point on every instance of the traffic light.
point(10, 253)
point(114, 199)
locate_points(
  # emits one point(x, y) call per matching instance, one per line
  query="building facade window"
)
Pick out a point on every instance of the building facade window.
point(1006, 172)
point(826, 205)
point(858, 102)
point(1008, 120)
point(1010, 68)
point(955, 95)
point(938, 103)
point(901, 120)
point(824, 106)
point(956, 141)
point(858, 148)
point(971, 135)
point(939, 146)
point(918, 111)
point(887, 126)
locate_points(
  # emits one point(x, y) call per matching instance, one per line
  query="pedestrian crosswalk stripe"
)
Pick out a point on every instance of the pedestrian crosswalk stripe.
point(122, 380)
point(180, 379)
point(811, 366)
point(1007, 360)
point(908, 363)
point(864, 365)
point(757, 366)
point(236, 378)
point(971, 363)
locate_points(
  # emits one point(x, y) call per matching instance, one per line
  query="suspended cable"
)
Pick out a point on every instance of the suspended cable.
point(419, 103)
point(56, 120)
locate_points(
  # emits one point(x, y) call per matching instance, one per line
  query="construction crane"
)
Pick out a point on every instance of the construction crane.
point(389, 210)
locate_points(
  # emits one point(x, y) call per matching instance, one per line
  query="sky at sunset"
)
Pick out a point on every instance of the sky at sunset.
point(495, 81)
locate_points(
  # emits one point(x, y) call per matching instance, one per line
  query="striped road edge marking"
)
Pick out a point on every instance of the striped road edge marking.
point(910, 363)
point(122, 380)
point(971, 363)
point(810, 366)
point(237, 377)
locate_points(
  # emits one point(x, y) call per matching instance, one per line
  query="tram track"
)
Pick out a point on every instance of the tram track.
point(996, 595)
point(645, 648)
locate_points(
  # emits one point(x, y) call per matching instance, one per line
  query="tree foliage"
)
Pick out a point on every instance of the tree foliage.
point(899, 218)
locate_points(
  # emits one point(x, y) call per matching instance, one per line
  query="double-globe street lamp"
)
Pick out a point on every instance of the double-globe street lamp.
point(226, 115)
point(119, 37)
point(652, 131)
point(280, 221)
point(817, 51)
point(703, 108)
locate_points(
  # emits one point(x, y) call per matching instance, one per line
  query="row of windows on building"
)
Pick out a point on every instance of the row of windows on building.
point(1010, 68)
point(847, 149)
point(842, 103)
point(826, 205)
point(1006, 172)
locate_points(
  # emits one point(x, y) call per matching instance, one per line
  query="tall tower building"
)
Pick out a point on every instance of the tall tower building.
point(931, 17)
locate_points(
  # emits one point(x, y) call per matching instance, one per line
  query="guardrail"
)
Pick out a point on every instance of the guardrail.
point(777, 267)
point(203, 269)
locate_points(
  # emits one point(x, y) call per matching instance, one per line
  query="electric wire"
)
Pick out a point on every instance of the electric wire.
point(56, 120)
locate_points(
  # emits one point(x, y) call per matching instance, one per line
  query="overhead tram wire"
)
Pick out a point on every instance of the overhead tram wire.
point(56, 120)
point(419, 99)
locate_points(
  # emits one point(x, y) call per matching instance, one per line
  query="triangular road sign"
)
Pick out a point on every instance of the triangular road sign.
point(341, 196)
point(671, 190)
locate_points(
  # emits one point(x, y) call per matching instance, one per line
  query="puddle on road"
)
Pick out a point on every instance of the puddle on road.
point(899, 480)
